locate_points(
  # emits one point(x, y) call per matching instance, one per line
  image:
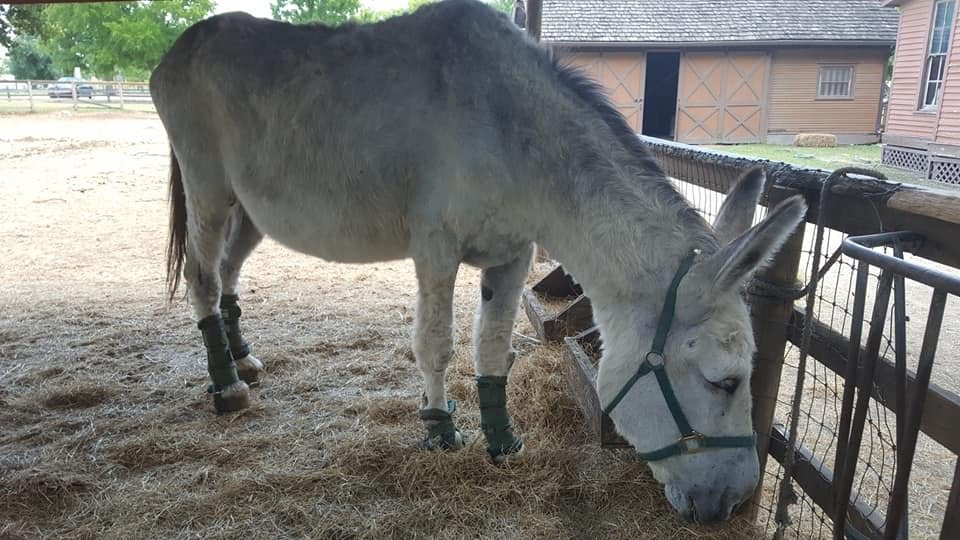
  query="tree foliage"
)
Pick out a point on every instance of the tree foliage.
point(505, 6)
point(331, 12)
point(107, 38)
point(29, 61)
point(20, 20)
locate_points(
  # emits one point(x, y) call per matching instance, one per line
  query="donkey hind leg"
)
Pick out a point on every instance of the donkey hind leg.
point(433, 348)
point(206, 228)
point(493, 355)
point(242, 239)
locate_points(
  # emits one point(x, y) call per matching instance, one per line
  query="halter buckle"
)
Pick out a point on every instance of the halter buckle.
point(691, 444)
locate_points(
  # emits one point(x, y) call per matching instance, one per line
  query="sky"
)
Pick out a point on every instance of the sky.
point(261, 8)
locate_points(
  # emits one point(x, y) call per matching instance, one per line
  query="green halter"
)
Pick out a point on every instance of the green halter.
point(690, 441)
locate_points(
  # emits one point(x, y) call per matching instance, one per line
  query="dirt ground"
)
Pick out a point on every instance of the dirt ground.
point(106, 430)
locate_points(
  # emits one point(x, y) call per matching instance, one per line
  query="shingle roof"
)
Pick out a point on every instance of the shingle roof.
point(698, 21)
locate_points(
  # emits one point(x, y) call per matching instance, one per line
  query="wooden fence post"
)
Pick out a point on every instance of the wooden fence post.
point(73, 92)
point(770, 316)
point(121, 93)
point(534, 16)
point(30, 93)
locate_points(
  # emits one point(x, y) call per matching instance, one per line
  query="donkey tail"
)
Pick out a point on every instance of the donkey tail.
point(177, 244)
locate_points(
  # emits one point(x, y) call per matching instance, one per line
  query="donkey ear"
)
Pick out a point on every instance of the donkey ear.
point(736, 213)
point(738, 260)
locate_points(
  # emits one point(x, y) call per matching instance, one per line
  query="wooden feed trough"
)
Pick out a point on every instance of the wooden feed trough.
point(573, 323)
point(581, 354)
point(555, 324)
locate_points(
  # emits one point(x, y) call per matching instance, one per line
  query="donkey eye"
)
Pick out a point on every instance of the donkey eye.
point(728, 385)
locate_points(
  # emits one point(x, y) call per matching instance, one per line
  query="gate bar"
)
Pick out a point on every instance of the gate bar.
point(900, 383)
point(853, 356)
point(898, 499)
point(849, 465)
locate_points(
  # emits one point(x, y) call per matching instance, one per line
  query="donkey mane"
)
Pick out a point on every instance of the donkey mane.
point(592, 94)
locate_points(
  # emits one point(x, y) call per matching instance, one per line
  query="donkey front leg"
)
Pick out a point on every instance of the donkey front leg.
point(433, 348)
point(500, 296)
point(241, 241)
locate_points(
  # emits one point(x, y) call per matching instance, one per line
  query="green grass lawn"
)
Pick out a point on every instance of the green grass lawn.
point(849, 155)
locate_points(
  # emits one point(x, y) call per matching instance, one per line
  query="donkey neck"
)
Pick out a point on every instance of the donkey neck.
point(624, 238)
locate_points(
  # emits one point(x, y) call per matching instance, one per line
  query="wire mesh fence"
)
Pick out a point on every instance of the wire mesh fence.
point(703, 176)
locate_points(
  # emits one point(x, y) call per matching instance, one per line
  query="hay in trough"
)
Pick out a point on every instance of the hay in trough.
point(107, 431)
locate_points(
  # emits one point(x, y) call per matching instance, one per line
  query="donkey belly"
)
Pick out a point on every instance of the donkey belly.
point(334, 227)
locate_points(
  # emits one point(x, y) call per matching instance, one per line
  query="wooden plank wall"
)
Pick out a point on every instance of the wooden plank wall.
point(794, 106)
point(904, 118)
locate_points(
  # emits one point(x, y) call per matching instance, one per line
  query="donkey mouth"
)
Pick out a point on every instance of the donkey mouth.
point(680, 502)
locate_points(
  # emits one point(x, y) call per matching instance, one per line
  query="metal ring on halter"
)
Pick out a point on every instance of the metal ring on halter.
point(659, 361)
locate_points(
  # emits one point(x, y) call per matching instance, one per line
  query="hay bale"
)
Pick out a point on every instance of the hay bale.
point(815, 140)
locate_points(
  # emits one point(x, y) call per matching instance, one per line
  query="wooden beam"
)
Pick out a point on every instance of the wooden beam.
point(936, 204)
point(941, 412)
point(770, 317)
point(534, 18)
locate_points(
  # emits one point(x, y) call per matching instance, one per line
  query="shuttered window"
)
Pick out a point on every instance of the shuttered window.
point(835, 82)
point(937, 55)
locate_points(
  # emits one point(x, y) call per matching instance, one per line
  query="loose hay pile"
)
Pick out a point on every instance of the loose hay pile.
point(107, 431)
point(815, 140)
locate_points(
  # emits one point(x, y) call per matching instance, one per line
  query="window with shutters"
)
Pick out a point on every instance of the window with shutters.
point(935, 66)
point(836, 82)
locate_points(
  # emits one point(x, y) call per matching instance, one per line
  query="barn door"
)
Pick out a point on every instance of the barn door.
point(621, 75)
point(722, 97)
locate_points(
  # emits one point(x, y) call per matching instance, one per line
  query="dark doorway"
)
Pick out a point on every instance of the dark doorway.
point(660, 94)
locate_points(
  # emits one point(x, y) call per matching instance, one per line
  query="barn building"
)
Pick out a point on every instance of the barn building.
point(733, 71)
point(923, 130)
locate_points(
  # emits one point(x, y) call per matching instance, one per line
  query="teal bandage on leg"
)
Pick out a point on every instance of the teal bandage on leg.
point(442, 433)
point(494, 420)
point(220, 365)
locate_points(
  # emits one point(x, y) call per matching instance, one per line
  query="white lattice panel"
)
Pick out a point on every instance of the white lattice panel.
point(945, 170)
point(906, 158)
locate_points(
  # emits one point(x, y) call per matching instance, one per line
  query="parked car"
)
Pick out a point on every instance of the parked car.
point(63, 88)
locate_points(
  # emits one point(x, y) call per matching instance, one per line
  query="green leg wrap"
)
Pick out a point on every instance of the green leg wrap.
point(494, 419)
point(442, 433)
point(230, 312)
point(220, 365)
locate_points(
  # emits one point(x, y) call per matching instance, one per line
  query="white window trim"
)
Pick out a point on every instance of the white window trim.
point(853, 78)
point(925, 77)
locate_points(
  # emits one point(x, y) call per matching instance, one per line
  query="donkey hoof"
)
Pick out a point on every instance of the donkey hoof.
point(249, 369)
point(447, 441)
point(512, 452)
point(233, 398)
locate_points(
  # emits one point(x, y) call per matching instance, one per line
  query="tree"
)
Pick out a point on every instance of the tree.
point(20, 20)
point(129, 37)
point(331, 12)
point(505, 6)
point(28, 61)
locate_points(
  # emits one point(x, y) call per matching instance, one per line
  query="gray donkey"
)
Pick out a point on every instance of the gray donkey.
point(449, 137)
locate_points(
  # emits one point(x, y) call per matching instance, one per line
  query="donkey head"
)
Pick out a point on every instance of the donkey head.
point(707, 360)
